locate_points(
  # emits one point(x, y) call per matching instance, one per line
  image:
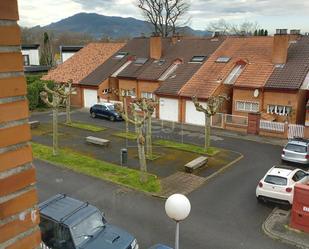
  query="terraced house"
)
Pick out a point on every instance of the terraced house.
point(260, 75)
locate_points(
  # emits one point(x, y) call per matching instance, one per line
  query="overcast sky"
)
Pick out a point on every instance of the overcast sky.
point(270, 14)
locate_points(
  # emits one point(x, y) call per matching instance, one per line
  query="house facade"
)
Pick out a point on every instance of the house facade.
point(81, 65)
point(67, 52)
point(31, 54)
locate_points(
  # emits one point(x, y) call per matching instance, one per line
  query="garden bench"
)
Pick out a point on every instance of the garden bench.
point(34, 124)
point(196, 163)
point(97, 141)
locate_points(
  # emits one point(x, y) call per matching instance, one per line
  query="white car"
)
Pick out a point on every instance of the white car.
point(278, 183)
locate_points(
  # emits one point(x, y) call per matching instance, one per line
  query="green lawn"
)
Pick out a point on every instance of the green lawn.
point(84, 126)
point(127, 135)
point(187, 147)
point(97, 168)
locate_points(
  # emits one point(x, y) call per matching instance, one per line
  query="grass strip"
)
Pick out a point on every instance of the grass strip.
point(187, 147)
point(127, 135)
point(84, 126)
point(97, 168)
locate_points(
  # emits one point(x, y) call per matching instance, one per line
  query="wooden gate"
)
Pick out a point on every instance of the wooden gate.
point(296, 131)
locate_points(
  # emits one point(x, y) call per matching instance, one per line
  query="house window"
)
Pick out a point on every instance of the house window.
point(120, 55)
point(130, 92)
point(26, 60)
point(223, 59)
point(234, 74)
point(247, 106)
point(279, 110)
point(198, 59)
point(140, 61)
point(147, 95)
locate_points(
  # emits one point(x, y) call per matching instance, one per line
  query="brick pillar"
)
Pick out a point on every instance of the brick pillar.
point(254, 123)
point(19, 217)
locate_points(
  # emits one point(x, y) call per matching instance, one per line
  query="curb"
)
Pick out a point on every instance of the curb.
point(274, 236)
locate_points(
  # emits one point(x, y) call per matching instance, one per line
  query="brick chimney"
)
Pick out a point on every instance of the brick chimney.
point(294, 34)
point(155, 47)
point(280, 46)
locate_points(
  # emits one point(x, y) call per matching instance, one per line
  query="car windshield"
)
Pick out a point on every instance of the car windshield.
point(111, 107)
point(276, 180)
point(87, 228)
point(296, 148)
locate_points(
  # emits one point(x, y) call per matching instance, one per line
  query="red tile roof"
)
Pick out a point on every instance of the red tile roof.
point(255, 51)
point(83, 62)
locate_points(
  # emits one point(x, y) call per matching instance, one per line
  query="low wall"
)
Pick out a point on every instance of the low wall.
point(268, 133)
point(238, 128)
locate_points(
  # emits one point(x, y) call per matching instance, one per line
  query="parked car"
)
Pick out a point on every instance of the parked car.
point(69, 223)
point(160, 246)
point(106, 110)
point(297, 151)
point(278, 184)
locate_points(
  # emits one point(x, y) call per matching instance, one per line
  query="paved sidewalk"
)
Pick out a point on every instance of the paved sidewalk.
point(180, 182)
point(277, 227)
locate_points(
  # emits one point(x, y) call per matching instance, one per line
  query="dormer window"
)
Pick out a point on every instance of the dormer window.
point(120, 55)
point(223, 59)
point(197, 59)
point(234, 74)
point(140, 61)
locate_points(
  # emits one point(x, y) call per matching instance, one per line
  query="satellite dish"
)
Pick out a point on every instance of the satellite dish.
point(256, 93)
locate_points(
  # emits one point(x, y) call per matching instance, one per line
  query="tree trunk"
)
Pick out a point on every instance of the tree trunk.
point(126, 113)
point(68, 109)
point(207, 132)
point(141, 155)
point(148, 138)
point(55, 130)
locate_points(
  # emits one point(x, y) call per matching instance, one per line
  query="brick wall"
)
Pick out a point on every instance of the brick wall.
point(19, 217)
point(294, 99)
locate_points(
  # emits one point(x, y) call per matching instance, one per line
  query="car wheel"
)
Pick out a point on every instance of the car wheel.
point(112, 118)
point(93, 115)
point(260, 199)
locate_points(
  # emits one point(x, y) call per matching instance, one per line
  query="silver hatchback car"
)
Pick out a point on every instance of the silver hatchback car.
point(296, 151)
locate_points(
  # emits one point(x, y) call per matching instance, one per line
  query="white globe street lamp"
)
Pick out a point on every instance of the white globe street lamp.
point(177, 207)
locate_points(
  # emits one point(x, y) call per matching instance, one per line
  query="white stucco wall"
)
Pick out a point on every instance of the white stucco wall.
point(34, 57)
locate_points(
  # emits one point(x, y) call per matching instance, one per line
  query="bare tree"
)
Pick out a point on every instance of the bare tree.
point(148, 107)
point(139, 122)
point(226, 28)
point(66, 93)
point(57, 100)
point(47, 51)
point(210, 108)
point(164, 15)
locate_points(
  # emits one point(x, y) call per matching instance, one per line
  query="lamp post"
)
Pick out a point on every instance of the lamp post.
point(177, 207)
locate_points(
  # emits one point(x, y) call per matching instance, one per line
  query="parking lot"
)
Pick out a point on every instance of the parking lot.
point(225, 213)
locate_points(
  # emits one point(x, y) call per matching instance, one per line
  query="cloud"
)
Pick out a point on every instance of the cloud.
point(35, 12)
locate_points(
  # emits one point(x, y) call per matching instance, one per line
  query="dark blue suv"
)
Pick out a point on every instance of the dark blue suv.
point(106, 110)
point(67, 223)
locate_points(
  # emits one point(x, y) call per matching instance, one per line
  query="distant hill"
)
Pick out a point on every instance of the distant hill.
point(114, 27)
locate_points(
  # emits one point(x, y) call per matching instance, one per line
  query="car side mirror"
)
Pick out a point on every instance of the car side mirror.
point(103, 214)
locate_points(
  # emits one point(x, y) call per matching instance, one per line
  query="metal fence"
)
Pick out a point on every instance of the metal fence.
point(296, 131)
point(272, 126)
point(236, 120)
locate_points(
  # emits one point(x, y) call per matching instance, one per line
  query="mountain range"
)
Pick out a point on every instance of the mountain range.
point(114, 27)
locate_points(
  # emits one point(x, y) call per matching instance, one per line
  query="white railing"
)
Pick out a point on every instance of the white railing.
point(296, 131)
point(271, 126)
point(236, 120)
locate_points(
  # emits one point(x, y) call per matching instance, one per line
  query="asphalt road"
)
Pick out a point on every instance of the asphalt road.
point(225, 213)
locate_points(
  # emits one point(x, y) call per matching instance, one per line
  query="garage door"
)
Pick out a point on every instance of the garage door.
point(193, 116)
point(169, 109)
point(90, 97)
